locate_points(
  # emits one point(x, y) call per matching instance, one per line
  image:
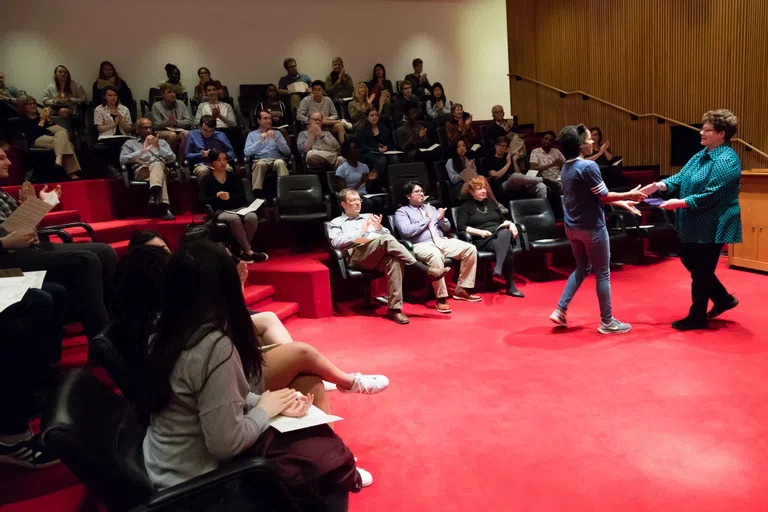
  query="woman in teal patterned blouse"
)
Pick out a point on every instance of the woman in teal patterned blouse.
point(708, 215)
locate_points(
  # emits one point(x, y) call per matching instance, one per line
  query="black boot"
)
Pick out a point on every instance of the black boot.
point(153, 205)
point(166, 212)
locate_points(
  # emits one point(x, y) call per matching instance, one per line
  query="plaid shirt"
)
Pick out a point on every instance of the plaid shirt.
point(7, 205)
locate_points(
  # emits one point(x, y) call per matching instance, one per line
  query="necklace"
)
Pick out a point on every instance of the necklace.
point(484, 210)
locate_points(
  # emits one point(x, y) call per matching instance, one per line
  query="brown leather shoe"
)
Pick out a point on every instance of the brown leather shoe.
point(442, 307)
point(462, 294)
point(397, 316)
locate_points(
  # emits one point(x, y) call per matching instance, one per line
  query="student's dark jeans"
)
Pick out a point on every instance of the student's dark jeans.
point(30, 344)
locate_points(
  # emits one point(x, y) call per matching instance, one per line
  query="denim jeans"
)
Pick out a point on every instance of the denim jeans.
point(592, 251)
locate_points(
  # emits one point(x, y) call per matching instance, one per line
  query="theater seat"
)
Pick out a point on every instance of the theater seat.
point(300, 199)
point(98, 438)
point(348, 274)
point(539, 222)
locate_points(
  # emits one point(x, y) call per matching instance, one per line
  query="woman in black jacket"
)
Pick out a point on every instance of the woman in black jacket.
point(224, 192)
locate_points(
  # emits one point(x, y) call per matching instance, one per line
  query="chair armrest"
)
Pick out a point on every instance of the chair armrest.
point(522, 234)
point(464, 236)
point(45, 235)
point(237, 471)
point(408, 245)
point(87, 227)
point(327, 201)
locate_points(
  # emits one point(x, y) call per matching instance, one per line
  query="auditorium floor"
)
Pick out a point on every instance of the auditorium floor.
point(492, 409)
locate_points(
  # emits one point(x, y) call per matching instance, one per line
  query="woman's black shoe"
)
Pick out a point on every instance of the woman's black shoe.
point(514, 292)
point(719, 309)
point(688, 324)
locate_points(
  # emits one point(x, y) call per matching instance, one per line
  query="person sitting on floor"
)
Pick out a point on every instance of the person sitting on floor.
point(149, 156)
point(354, 174)
point(201, 141)
point(292, 76)
point(318, 102)
point(171, 119)
point(204, 398)
point(480, 217)
point(268, 149)
point(318, 147)
point(547, 159)
point(222, 112)
point(85, 270)
point(504, 167)
point(425, 227)
point(42, 132)
point(223, 191)
point(368, 246)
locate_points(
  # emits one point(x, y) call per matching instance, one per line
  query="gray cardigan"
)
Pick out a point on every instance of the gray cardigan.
point(205, 422)
point(50, 93)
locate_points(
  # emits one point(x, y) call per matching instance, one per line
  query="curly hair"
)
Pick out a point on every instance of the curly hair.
point(722, 120)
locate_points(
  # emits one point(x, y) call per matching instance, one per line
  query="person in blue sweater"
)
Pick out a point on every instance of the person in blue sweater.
point(200, 142)
point(708, 215)
point(584, 194)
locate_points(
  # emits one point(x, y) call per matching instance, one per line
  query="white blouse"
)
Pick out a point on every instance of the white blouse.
point(102, 116)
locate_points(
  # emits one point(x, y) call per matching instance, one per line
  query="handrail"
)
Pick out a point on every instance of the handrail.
point(635, 115)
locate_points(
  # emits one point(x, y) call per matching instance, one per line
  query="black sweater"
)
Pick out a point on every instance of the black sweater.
point(471, 214)
point(32, 130)
point(210, 186)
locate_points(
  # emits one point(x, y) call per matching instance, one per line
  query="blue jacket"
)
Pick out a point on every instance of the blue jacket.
point(196, 144)
point(709, 184)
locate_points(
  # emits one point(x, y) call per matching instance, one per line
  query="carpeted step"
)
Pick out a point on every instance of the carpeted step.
point(285, 311)
point(120, 247)
point(255, 293)
point(60, 217)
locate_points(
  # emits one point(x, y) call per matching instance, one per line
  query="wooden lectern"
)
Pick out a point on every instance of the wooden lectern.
point(753, 251)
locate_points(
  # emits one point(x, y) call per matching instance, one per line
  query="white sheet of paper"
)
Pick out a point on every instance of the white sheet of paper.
point(393, 152)
point(617, 162)
point(250, 208)
point(347, 99)
point(430, 148)
point(475, 147)
point(298, 87)
point(313, 418)
point(280, 127)
point(375, 195)
point(52, 198)
point(12, 289)
point(35, 278)
point(532, 174)
point(27, 216)
point(125, 136)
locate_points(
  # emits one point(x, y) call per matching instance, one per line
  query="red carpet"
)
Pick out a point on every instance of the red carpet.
point(492, 409)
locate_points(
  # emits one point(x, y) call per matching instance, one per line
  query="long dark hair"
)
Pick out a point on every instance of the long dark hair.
point(138, 299)
point(142, 236)
point(458, 163)
point(374, 78)
point(68, 84)
point(599, 134)
point(202, 295)
point(118, 80)
point(442, 91)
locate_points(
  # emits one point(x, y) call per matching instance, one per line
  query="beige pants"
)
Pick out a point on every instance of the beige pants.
point(260, 168)
point(62, 146)
point(386, 255)
point(433, 256)
point(317, 158)
point(156, 174)
point(201, 170)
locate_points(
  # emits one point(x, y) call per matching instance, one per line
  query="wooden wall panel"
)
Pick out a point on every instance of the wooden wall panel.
point(676, 58)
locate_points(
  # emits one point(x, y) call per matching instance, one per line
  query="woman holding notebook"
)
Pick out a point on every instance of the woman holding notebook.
point(224, 192)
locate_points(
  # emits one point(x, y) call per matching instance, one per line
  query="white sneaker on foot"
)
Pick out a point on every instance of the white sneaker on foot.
point(329, 386)
point(365, 476)
point(367, 384)
point(558, 316)
point(615, 327)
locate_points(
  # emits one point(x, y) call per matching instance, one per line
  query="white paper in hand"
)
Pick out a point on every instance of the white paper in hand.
point(250, 208)
point(532, 174)
point(313, 418)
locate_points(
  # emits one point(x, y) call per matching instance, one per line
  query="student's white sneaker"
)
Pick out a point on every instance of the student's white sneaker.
point(367, 384)
point(329, 386)
point(365, 476)
point(558, 316)
point(615, 327)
